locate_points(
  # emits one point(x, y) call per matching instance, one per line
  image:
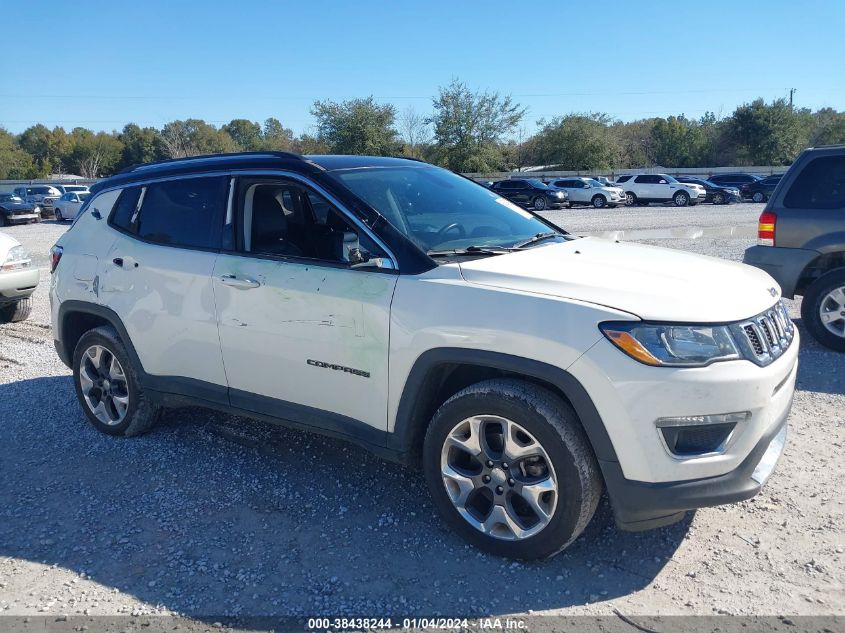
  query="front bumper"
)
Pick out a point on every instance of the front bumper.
point(22, 217)
point(639, 505)
point(18, 284)
point(785, 265)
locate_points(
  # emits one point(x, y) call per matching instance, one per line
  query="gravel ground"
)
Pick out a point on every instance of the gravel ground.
point(213, 515)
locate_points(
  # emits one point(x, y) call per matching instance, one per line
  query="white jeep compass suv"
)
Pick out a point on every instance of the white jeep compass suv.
point(641, 189)
point(421, 315)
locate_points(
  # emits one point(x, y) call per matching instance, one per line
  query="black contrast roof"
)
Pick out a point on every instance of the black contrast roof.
point(246, 161)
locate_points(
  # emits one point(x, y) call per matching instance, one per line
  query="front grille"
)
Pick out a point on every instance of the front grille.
point(766, 336)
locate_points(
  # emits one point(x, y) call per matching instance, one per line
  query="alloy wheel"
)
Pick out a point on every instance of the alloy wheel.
point(681, 199)
point(832, 311)
point(539, 204)
point(499, 477)
point(104, 385)
point(598, 202)
point(718, 199)
point(630, 199)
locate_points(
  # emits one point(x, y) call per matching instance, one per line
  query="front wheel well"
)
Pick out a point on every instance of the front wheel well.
point(818, 267)
point(445, 380)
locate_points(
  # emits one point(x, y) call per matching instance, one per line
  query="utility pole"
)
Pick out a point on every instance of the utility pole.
point(791, 92)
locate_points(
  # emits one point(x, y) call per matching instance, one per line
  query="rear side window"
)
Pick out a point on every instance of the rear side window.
point(121, 217)
point(821, 185)
point(185, 212)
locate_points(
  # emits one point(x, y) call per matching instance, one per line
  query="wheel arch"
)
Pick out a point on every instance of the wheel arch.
point(441, 372)
point(78, 317)
point(819, 266)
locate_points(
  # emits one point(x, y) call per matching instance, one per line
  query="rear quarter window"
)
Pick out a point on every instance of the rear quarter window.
point(820, 185)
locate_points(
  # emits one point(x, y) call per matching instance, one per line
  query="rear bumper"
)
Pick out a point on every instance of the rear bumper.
point(785, 265)
point(640, 505)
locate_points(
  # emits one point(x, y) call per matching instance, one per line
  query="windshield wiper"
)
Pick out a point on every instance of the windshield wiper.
point(537, 238)
point(471, 250)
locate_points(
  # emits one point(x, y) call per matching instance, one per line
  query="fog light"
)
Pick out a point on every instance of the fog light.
point(696, 435)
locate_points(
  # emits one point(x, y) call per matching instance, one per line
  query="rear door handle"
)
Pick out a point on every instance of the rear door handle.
point(239, 282)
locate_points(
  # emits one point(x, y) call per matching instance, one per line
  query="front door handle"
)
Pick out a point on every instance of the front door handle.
point(239, 282)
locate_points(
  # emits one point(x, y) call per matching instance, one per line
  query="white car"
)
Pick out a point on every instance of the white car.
point(641, 189)
point(18, 280)
point(67, 207)
point(586, 191)
point(412, 311)
point(67, 188)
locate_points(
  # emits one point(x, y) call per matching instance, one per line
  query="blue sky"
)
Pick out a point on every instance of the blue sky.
point(103, 64)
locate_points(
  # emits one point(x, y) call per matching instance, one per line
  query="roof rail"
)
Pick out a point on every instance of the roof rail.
point(184, 159)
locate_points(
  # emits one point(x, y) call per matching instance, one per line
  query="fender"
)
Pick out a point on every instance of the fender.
point(418, 387)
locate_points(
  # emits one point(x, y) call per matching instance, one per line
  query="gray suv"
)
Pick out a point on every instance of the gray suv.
point(801, 241)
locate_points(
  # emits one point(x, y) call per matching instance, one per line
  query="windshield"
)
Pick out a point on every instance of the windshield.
point(439, 210)
point(538, 183)
point(9, 197)
point(75, 188)
point(44, 191)
point(594, 183)
point(669, 178)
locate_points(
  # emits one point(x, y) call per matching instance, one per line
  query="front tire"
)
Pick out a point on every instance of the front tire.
point(681, 199)
point(599, 201)
point(758, 197)
point(17, 311)
point(107, 385)
point(539, 203)
point(510, 469)
point(823, 309)
point(630, 198)
point(718, 198)
point(59, 217)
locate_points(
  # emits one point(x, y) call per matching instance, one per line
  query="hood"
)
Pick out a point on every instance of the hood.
point(17, 206)
point(655, 284)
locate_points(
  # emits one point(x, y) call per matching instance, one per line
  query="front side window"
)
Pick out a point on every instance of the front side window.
point(287, 219)
point(820, 185)
point(187, 212)
point(646, 180)
point(439, 210)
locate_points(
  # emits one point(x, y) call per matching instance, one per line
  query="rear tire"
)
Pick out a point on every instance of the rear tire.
point(536, 505)
point(2, 220)
point(758, 197)
point(110, 394)
point(17, 311)
point(823, 309)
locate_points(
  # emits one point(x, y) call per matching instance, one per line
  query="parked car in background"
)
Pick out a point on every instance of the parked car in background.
point(642, 189)
point(605, 181)
point(525, 370)
point(733, 180)
point(18, 280)
point(63, 189)
point(586, 191)
point(42, 196)
point(761, 190)
point(717, 194)
point(801, 241)
point(531, 193)
point(14, 210)
point(67, 207)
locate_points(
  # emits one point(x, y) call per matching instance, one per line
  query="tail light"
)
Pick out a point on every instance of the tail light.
point(55, 256)
point(766, 228)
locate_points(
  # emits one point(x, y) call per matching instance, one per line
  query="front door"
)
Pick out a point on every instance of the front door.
point(304, 334)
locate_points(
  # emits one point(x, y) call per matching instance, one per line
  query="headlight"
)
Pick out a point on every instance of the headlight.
point(16, 259)
point(560, 194)
point(672, 345)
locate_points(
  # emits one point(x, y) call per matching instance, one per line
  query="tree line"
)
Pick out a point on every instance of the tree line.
point(465, 130)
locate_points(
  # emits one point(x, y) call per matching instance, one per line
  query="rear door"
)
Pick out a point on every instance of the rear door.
point(157, 278)
point(304, 330)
